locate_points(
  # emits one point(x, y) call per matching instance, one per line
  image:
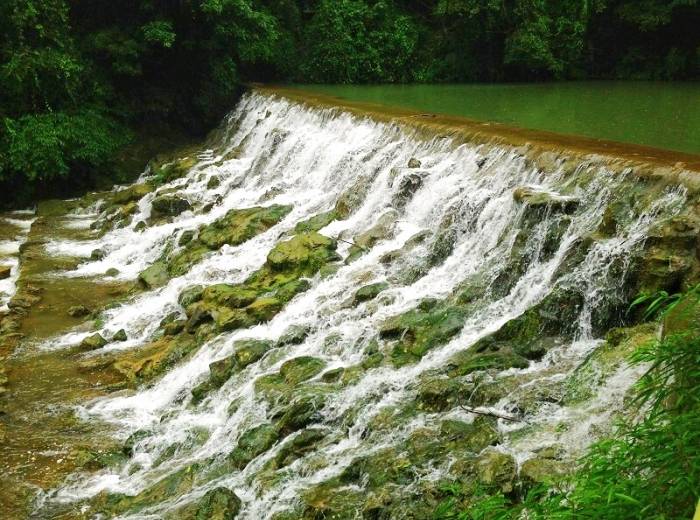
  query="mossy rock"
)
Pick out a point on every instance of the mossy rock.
point(218, 504)
point(249, 351)
point(168, 170)
point(384, 466)
point(316, 223)
point(419, 330)
point(300, 369)
point(190, 295)
point(304, 253)
point(169, 206)
point(133, 193)
point(368, 292)
point(154, 276)
point(304, 442)
point(232, 296)
point(294, 335)
point(93, 342)
point(252, 443)
point(240, 225)
point(330, 500)
point(469, 361)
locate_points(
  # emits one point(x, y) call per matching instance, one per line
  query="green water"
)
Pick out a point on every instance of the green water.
point(662, 115)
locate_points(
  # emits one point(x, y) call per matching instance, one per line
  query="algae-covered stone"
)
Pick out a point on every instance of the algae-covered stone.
point(495, 468)
point(190, 295)
point(294, 335)
point(5, 272)
point(414, 163)
point(239, 225)
point(316, 223)
point(305, 252)
point(298, 446)
point(249, 351)
point(78, 311)
point(302, 412)
point(264, 309)
point(169, 205)
point(120, 335)
point(218, 504)
point(154, 276)
point(252, 443)
point(417, 331)
point(541, 469)
point(93, 342)
point(213, 182)
point(300, 369)
point(368, 292)
point(186, 237)
point(174, 327)
point(469, 361)
point(133, 193)
point(233, 296)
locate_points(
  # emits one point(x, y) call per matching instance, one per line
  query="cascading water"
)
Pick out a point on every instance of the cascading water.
point(444, 228)
point(16, 226)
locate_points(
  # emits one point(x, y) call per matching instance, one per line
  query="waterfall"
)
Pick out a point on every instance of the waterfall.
point(447, 224)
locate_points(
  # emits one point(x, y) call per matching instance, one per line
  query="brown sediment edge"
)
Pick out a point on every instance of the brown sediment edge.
point(645, 161)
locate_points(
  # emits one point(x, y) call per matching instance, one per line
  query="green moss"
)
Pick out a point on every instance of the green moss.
point(252, 443)
point(419, 330)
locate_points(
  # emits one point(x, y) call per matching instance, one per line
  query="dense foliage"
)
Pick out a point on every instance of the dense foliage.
point(77, 78)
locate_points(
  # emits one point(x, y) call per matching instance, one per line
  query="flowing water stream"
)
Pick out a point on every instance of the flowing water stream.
point(449, 224)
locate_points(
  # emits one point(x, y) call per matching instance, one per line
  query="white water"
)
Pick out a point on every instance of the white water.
point(16, 225)
point(310, 157)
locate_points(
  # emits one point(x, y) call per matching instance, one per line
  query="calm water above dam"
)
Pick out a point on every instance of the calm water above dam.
point(662, 115)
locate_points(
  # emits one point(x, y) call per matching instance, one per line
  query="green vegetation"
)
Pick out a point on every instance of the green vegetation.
point(79, 81)
point(649, 469)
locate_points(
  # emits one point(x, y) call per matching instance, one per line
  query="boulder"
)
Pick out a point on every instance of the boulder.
point(93, 342)
point(300, 369)
point(213, 182)
point(133, 193)
point(154, 276)
point(112, 271)
point(190, 295)
point(120, 335)
point(218, 504)
point(414, 163)
point(252, 443)
point(78, 311)
point(368, 292)
point(5, 272)
point(169, 205)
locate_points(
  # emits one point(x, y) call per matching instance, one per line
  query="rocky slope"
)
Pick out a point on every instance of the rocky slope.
point(320, 315)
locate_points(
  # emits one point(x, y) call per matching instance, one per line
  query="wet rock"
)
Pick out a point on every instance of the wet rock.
point(316, 223)
point(417, 331)
point(78, 311)
point(470, 361)
point(300, 369)
point(414, 163)
point(408, 185)
point(302, 412)
point(366, 240)
point(305, 252)
point(190, 295)
point(537, 198)
point(540, 469)
point(297, 447)
point(186, 237)
point(474, 436)
point(440, 394)
point(174, 327)
point(5, 272)
point(93, 342)
point(294, 335)
point(140, 226)
point(352, 198)
point(120, 335)
point(169, 205)
point(218, 504)
point(249, 351)
point(133, 193)
point(154, 276)
point(252, 443)
point(496, 469)
point(240, 225)
point(97, 254)
point(213, 182)
point(231, 296)
point(112, 271)
point(368, 292)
